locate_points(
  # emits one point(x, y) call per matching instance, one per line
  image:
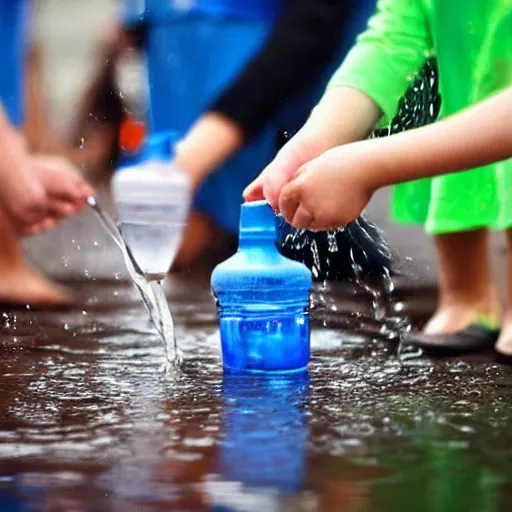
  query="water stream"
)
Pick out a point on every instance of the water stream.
point(152, 292)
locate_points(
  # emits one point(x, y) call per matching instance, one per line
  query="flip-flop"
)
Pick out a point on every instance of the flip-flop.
point(502, 358)
point(474, 338)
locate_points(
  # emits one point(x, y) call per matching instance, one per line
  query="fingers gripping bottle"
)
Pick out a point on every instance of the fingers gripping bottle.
point(263, 300)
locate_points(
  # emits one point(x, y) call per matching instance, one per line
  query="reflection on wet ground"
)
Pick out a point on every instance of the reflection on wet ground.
point(88, 422)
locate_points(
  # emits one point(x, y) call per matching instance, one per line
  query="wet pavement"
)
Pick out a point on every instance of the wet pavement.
point(88, 422)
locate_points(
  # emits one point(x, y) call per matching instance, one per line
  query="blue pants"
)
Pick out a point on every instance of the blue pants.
point(13, 17)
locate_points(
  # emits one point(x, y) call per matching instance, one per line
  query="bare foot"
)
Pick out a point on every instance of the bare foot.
point(457, 316)
point(23, 285)
point(504, 343)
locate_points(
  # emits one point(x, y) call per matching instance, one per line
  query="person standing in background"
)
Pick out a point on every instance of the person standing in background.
point(472, 42)
point(227, 77)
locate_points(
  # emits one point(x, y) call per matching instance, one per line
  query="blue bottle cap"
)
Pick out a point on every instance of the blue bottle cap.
point(160, 145)
point(257, 219)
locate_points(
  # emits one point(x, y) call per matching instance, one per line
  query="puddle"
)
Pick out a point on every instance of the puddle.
point(89, 423)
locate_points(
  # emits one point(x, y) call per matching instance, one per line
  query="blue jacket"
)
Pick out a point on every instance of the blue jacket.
point(13, 17)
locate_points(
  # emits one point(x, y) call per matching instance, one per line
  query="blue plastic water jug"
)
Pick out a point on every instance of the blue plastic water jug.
point(263, 300)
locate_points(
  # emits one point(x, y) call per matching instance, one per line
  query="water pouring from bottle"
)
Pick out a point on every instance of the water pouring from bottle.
point(152, 201)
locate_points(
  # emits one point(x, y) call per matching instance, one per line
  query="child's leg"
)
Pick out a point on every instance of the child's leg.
point(504, 344)
point(20, 283)
point(466, 291)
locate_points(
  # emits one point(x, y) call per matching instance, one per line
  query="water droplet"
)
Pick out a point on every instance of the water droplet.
point(398, 307)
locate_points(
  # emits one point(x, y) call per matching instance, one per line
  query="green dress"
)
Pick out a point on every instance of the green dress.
point(472, 42)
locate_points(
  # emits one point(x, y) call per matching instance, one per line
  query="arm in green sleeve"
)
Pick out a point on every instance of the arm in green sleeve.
point(388, 54)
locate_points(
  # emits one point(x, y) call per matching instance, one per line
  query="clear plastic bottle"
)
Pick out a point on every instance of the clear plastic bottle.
point(152, 200)
point(263, 300)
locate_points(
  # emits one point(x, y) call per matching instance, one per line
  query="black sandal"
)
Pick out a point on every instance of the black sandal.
point(502, 358)
point(474, 338)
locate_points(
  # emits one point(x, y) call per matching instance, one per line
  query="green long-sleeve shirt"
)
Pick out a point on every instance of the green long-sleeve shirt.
point(472, 42)
point(471, 39)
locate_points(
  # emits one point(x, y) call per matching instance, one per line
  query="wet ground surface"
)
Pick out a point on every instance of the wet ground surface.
point(88, 422)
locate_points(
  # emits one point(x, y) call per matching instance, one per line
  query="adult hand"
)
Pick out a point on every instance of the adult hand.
point(37, 191)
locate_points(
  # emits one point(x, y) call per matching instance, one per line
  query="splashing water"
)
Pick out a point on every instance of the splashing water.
point(152, 292)
point(331, 255)
point(357, 252)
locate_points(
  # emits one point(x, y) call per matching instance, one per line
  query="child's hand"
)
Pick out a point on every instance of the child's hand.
point(343, 116)
point(330, 191)
point(276, 175)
